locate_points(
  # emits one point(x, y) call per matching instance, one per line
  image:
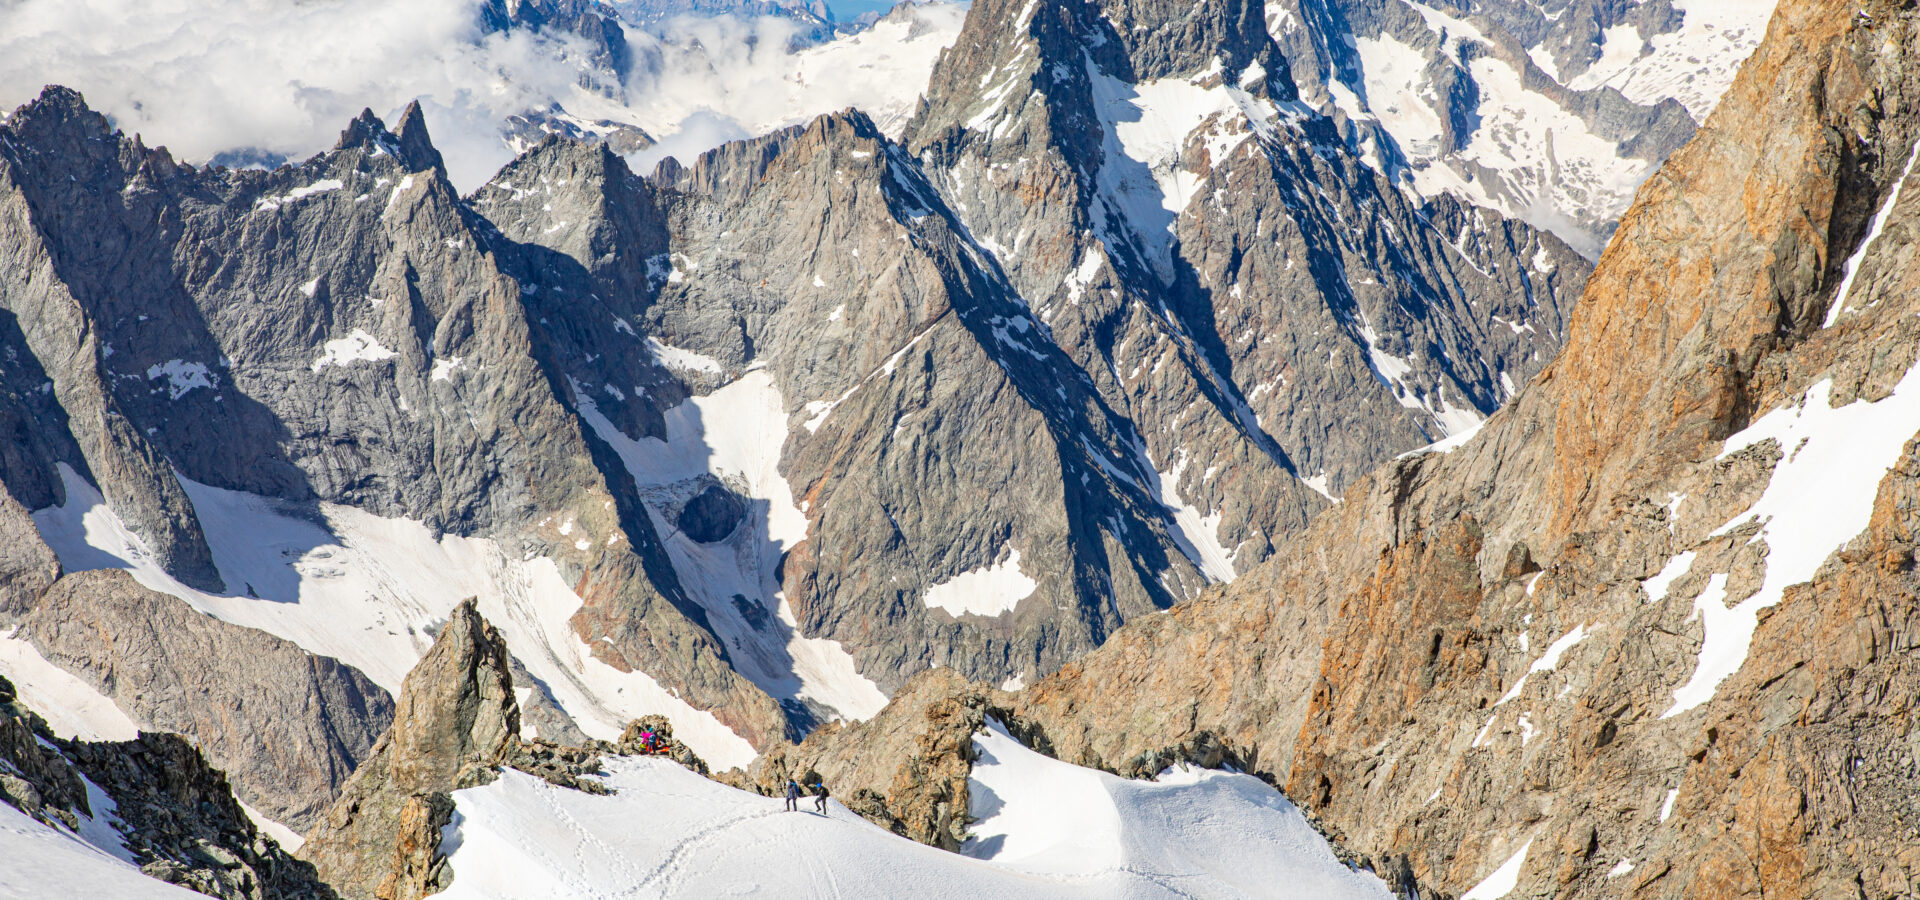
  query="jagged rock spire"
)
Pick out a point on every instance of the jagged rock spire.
point(409, 142)
point(455, 719)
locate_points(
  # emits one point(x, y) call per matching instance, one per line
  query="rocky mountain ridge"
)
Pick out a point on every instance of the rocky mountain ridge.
point(1652, 629)
point(153, 802)
point(772, 478)
point(1552, 113)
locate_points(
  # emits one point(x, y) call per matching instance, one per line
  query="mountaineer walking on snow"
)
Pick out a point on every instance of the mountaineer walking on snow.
point(820, 796)
point(793, 796)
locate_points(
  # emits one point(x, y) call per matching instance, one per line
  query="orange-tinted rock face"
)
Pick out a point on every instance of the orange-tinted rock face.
point(1406, 673)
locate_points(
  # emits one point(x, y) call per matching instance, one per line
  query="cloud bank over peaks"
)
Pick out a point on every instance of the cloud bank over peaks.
point(264, 79)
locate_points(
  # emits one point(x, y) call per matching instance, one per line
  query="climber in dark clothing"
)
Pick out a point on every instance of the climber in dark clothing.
point(820, 796)
point(793, 796)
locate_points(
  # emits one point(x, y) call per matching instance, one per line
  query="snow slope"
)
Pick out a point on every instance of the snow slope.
point(725, 78)
point(735, 435)
point(1694, 64)
point(1524, 153)
point(72, 708)
point(41, 863)
point(369, 591)
point(667, 832)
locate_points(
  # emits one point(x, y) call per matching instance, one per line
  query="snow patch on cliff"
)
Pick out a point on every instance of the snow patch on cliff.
point(988, 591)
point(1820, 496)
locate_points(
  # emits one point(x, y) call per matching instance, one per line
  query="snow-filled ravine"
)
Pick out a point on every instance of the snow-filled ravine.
point(369, 591)
point(734, 435)
point(1045, 829)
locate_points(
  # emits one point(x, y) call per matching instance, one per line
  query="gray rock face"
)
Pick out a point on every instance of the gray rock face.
point(27, 566)
point(1354, 324)
point(50, 285)
point(289, 726)
point(934, 364)
point(339, 331)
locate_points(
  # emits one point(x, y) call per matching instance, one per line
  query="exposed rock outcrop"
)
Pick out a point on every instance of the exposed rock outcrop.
point(290, 726)
point(905, 769)
point(455, 720)
point(456, 725)
point(174, 813)
point(27, 565)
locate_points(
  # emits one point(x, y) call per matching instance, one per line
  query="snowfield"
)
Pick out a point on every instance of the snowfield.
point(1525, 154)
point(42, 863)
point(370, 591)
point(1049, 830)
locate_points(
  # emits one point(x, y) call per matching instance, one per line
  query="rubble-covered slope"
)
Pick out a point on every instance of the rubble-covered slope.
point(127, 819)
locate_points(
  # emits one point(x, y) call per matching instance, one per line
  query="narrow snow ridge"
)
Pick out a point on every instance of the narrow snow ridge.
point(72, 708)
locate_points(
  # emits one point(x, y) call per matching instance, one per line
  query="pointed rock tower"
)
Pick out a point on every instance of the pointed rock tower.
point(455, 720)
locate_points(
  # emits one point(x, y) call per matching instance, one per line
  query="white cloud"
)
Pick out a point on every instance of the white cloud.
point(208, 76)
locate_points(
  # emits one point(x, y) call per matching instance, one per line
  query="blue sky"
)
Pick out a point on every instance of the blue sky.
point(848, 9)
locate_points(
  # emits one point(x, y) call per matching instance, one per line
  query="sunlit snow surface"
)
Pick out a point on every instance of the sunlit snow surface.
point(368, 591)
point(42, 863)
point(1694, 64)
point(72, 708)
point(1050, 830)
point(1820, 496)
point(735, 434)
point(988, 591)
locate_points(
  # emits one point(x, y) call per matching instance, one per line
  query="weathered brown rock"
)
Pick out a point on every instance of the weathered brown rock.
point(290, 726)
point(1374, 667)
point(416, 868)
point(455, 720)
point(905, 769)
